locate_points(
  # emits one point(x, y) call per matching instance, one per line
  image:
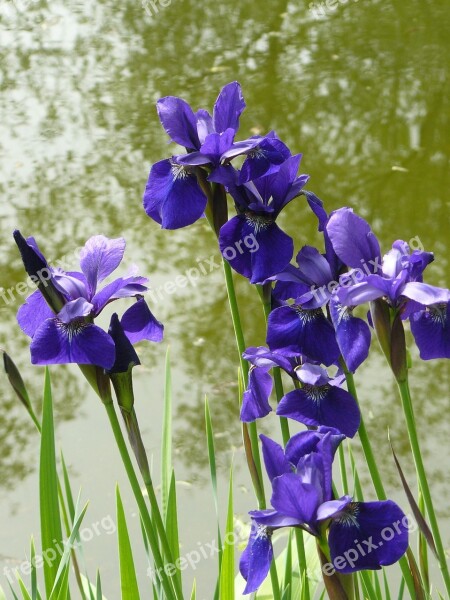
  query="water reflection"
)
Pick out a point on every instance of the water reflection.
point(361, 92)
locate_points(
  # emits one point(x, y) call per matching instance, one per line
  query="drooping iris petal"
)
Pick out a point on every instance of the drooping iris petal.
point(255, 400)
point(274, 459)
point(426, 294)
point(294, 498)
point(293, 330)
point(256, 559)
point(325, 405)
point(99, 257)
point(368, 535)
point(306, 442)
point(431, 331)
point(78, 342)
point(228, 108)
point(139, 323)
point(353, 240)
point(352, 335)
point(255, 246)
point(179, 121)
point(172, 196)
point(33, 312)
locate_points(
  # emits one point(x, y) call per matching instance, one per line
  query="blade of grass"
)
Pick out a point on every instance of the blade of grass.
point(23, 588)
point(64, 586)
point(213, 473)
point(194, 591)
point(166, 450)
point(287, 582)
point(51, 532)
point(68, 549)
point(227, 568)
point(128, 580)
point(34, 588)
point(98, 585)
point(172, 525)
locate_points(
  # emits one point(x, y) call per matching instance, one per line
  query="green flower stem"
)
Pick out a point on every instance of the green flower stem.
point(143, 510)
point(405, 395)
point(134, 434)
point(264, 292)
point(374, 472)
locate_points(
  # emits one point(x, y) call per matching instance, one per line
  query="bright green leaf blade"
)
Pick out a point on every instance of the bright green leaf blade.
point(166, 450)
point(213, 472)
point(128, 579)
point(23, 588)
point(172, 524)
point(51, 532)
point(13, 592)
point(287, 583)
point(194, 591)
point(64, 584)
point(67, 550)
point(34, 588)
point(98, 591)
point(226, 588)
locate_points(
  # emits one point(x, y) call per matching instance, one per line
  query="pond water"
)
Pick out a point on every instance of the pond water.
point(361, 89)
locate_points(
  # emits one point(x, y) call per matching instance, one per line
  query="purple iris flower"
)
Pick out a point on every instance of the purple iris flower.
point(362, 535)
point(321, 401)
point(255, 401)
point(252, 242)
point(397, 277)
point(70, 336)
point(173, 197)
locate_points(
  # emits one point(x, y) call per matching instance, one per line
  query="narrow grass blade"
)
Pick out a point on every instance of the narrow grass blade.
point(418, 586)
point(213, 473)
point(194, 591)
point(13, 592)
point(166, 450)
point(227, 568)
point(369, 591)
point(128, 580)
point(51, 532)
point(172, 524)
point(34, 588)
point(423, 525)
point(63, 593)
point(67, 550)
point(23, 588)
point(287, 583)
point(98, 585)
point(401, 591)
point(387, 593)
point(2, 594)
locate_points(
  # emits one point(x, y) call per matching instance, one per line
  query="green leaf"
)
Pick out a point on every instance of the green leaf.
point(287, 583)
point(59, 580)
point(23, 588)
point(423, 525)
point(226, 589)
point(2, 594)
point(98, 591)
point(16, 381)
point(34, 588)
point(213, 472)
point(51, 533)
point(194, 591)
point(166, 450)
point(63, 593)
point(387, 593)
point(172, 524)
point(128, 580)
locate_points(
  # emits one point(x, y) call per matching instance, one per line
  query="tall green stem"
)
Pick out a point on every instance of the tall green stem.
point(405, 395)
point(143, 510)
point(374, 472)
